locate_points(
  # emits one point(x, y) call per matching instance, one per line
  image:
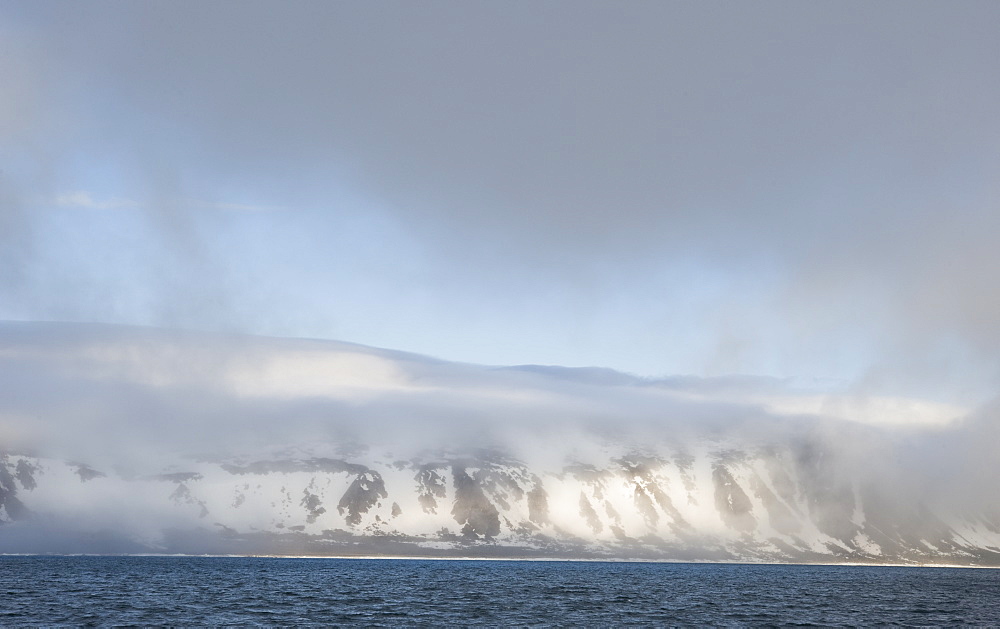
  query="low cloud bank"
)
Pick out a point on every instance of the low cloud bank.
point(145, 400)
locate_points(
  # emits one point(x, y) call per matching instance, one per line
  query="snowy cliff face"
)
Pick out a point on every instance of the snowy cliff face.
point(126, 440)
point(705, 505)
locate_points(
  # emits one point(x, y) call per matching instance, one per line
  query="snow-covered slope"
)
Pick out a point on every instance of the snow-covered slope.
point(125, 440)
point(702, 505)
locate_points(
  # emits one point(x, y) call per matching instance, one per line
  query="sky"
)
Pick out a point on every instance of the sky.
point(785, 189)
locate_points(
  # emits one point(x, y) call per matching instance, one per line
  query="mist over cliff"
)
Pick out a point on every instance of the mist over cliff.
point(121, 439)
point(703, 280)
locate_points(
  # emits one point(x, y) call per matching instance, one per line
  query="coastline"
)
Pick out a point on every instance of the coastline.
point(510, 559)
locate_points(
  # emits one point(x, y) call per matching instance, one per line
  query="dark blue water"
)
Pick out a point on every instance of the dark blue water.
point(212, 590)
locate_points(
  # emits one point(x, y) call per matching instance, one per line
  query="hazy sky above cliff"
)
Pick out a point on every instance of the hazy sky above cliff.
point(775, 188)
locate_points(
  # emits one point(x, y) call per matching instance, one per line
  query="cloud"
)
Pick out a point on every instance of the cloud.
point(191, 390)
point(149, 400)
point(779, 188)
point(82, 199)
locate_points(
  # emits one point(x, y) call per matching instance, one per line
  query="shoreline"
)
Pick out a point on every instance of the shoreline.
point(506, 559)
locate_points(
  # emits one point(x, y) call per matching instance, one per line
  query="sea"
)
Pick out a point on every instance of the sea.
point(131, 590)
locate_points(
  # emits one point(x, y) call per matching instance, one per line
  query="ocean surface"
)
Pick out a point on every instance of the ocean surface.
point(272, 591)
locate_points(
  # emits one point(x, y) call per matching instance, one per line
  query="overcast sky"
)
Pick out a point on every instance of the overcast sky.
point(793, 189)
